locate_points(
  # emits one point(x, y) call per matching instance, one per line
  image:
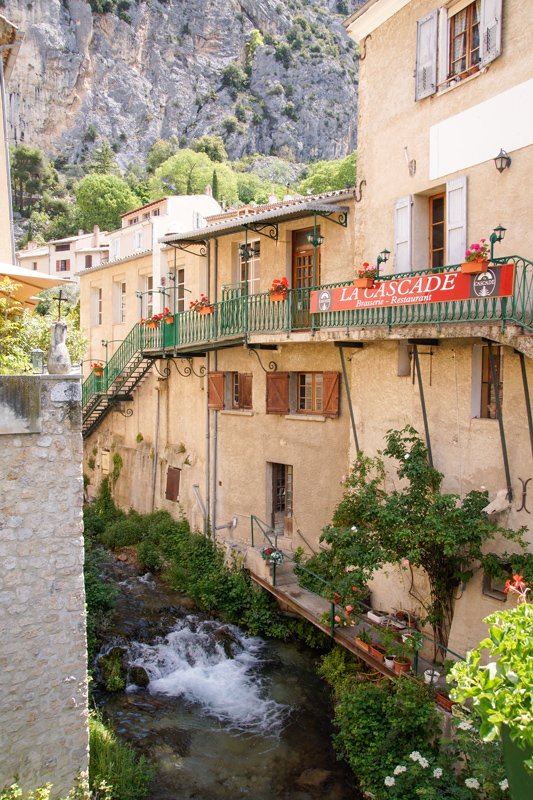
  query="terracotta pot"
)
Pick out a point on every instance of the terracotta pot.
point(402, 664)
point(378, 652)
point(278, 296)
point(98, 372)
point(207, 310)
point(152, 325)
point(473, 267)
point(169, 320)
point(363, 283)
point(362, 645)
point(444, 701)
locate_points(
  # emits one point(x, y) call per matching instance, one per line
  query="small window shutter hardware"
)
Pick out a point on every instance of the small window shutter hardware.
point(426, 55)
point(330, 386)
point(215, 390)
point(277, 399)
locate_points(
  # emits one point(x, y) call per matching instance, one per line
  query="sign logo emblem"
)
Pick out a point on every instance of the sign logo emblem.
point(484, 284)
point(324, 300)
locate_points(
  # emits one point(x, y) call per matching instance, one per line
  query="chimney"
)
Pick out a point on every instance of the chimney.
point(96, 236)
point(80, 232)
point(208, 190)
point(288, 195)
point(272, 197)
point(30, 246)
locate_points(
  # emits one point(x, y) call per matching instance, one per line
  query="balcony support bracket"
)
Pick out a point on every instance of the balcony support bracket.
point(526, 397)
point(272, 366)
point(422, 401)
point(341, 346)
point(500, 419)
point(268, 229)
point(187, 247)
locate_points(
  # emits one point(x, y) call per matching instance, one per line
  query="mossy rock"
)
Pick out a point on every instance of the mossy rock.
point(113, 669)
point(139, 676)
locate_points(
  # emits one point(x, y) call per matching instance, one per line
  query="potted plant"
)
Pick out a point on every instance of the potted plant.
point(380, 617)
point(152, 322)
point(278, 290)
point(202, 306)
point(389, 660)
point(272, 556)
point(402, 664)
point(363, 640)
point(477, 258)
point(167, 317)
point(366, 276)
point(501, 690)
point(378, 651)
point(98, 368)
point(444, 700)
point(431, 676)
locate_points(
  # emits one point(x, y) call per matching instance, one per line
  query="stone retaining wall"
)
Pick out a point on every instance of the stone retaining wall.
point(43, 649)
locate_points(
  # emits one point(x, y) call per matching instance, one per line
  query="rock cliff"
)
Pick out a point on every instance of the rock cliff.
point(162, 74)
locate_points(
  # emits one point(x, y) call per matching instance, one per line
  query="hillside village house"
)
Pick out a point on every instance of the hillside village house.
point(248, 410)
point(65, 257)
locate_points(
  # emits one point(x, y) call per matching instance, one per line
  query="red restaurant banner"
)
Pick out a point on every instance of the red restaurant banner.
point(440, 287)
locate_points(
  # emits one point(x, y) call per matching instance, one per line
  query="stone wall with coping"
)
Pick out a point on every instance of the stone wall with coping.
point(43, 648)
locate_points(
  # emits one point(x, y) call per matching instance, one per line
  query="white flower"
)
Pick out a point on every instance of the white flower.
point(424, 763)
point(465, 726)
point(504, 785)
point(472, 783)
point(354, 528)
point(415, 755)
point(389, 781)
point(399, 769)
point(437, 773)
point(406, 456)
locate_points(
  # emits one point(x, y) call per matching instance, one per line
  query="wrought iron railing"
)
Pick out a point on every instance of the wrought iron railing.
point(238, 314)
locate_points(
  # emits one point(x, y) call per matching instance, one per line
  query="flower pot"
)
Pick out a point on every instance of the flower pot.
point(444, 701)
point(169, 320)
point(402, 664)
point(207, 310)
point(473, 267)
point(378, 652)
point(98, 372)
point(377, 616)
point(431, 676)
point(278, 296)
point(363, 283)
point(152, 325)
point(389, 662)
point(520, 780)
point(362, 645)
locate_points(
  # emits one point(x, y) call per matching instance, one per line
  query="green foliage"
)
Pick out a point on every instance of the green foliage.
point(139, 437)
point(340, 669)
point(234, 75)
point(159, 152)
point(188, 172)
point(100, 595)
point(116, 764)
point(117, 466)
point(91, 462)
point(102, 199)
point(13, 358)
point(35, 332)
point(282, 53)
point(90, 134)
point(103, 162)
point(122, 533)
point(327, 176)
point(212, 146)
point(230, 124)
point(290, 112)
point(240, 112)
point(28, 168)
point(255, 41)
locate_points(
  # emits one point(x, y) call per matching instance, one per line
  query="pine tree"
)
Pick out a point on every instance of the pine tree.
point(214, 183)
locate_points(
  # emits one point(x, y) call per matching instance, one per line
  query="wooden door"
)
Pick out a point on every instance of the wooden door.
point(302, 278)
point(282, 494)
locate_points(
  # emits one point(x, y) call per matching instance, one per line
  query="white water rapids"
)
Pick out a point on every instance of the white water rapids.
point(216, 666)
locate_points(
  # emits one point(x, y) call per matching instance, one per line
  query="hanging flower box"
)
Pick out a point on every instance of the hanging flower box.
point(477, 258)
point(380, 617)
point(378, 652)
point(473, 267)
point(363, 283)
point(278, 290)
point(152, 322)
point(98, 368)
point(202, 306)
point(207, 310)
point(168, 317)
point(366, 276)
point(278, 296)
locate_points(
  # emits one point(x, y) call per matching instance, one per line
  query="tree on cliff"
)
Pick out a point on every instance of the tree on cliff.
point(327, 176)
point(102, 199)
point(28, 167)
point(188, 172)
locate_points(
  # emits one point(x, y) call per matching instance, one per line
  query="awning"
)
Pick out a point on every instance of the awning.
point(32, 282)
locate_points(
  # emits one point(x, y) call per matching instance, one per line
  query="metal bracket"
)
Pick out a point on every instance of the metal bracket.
point(272, 366)
point(342, 217)
point(187, 371)
point(186, 247)
point(361, 183)
point(268, 229)
point(524, 495)
point(362, 56)
point(127, 413)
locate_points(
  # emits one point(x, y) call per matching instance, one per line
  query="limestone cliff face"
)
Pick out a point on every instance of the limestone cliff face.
point(162, 75)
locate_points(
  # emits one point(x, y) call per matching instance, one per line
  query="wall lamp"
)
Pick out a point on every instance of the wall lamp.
point(245, 251)
point(502, 161)
point(37, 360)
point(314, 240)
point(497, 235)
point(382, 259)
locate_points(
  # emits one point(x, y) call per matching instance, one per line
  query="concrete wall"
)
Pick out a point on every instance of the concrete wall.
point(43, 652)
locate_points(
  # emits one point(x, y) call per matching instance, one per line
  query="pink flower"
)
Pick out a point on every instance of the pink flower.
point(337, 619)
point(344, 477)
point(482, 240)
point(349, 608)
point(475, 246)
point(405, 562)
point(468, 253)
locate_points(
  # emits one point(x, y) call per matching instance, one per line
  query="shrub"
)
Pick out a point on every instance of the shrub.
point(234, 75)
point(240, 112)
point(100, 595)
point(230, 124)
point(282, 53)
point(121, 533)
point(290, 112)
point(116, 764)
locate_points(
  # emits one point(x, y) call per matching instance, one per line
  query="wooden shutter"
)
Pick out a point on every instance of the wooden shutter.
point(330, 388)
point(67, 262)
point(490, 30)
point(58, 266)
point(245, 390)
point(426, 55)
point(402, 234)
point(173, 483)
point(456, 220)
point(215, 390)
point(277, 399)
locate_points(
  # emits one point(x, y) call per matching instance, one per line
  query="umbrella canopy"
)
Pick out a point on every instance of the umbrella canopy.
point(31, 282)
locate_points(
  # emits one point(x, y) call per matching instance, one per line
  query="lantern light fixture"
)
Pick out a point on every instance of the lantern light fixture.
point(497, 235)
point(502, 161)
point(245, 251)
point(313, 240)
point(37, 360)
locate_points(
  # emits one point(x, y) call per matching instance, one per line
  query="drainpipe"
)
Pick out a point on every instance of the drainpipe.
point(155, 449)
point(195, 488)
point(215, 412)
point(207, 420)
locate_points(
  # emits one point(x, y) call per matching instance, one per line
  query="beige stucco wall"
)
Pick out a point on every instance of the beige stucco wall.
point(5, 221)
point(390, 120)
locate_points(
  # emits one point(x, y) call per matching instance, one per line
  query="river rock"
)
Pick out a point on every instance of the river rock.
point(229, 641)
point(314, 778)
point(113, 669)
point(139, 676)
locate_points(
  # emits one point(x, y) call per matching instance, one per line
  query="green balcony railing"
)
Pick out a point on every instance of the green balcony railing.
point(238, 314)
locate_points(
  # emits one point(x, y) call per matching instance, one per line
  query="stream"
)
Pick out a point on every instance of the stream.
point(225, 715)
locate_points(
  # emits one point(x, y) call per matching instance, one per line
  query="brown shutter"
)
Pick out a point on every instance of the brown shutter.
point(245, 390)
point(67, 262)
point(173, 484)
point(277, 399)
point(58, 266)
point(215, 390)
point(330, 387)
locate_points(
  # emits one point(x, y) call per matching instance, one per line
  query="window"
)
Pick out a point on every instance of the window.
point(488, 397)
point(147, 215)
point(149, 298)
point(96, 306)
point(156, 212)
point(198, 220)
point(173, 484)
point(253, 269)
point(133, 221)
point(115, 249)
point(34, 265)
point(494, 586)
point(295, 393)
point(62, 247)
point(283, 494)
point(63, 265)
point(88, 262)
point(122, 300)
point(456, 42)
point(230, 390)
point(137, 240)
point(465, 53)
point(180, 290)
point(437, 231)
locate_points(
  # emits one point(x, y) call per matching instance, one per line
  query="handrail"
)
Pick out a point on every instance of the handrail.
point(262, 525)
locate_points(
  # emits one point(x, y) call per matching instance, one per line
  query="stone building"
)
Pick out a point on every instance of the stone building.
point(65, 257)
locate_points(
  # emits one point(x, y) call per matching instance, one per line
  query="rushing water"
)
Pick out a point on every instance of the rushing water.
point(225, 715)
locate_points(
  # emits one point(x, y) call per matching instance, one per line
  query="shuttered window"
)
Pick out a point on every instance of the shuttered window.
point(173, 484)
point(277, 393)
point(426, 55)
point(215, 390)
point(63, 265)
point(242, 390)
point(330, 389)
point(402, 234)
point(490, 30)
point(456, 220)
